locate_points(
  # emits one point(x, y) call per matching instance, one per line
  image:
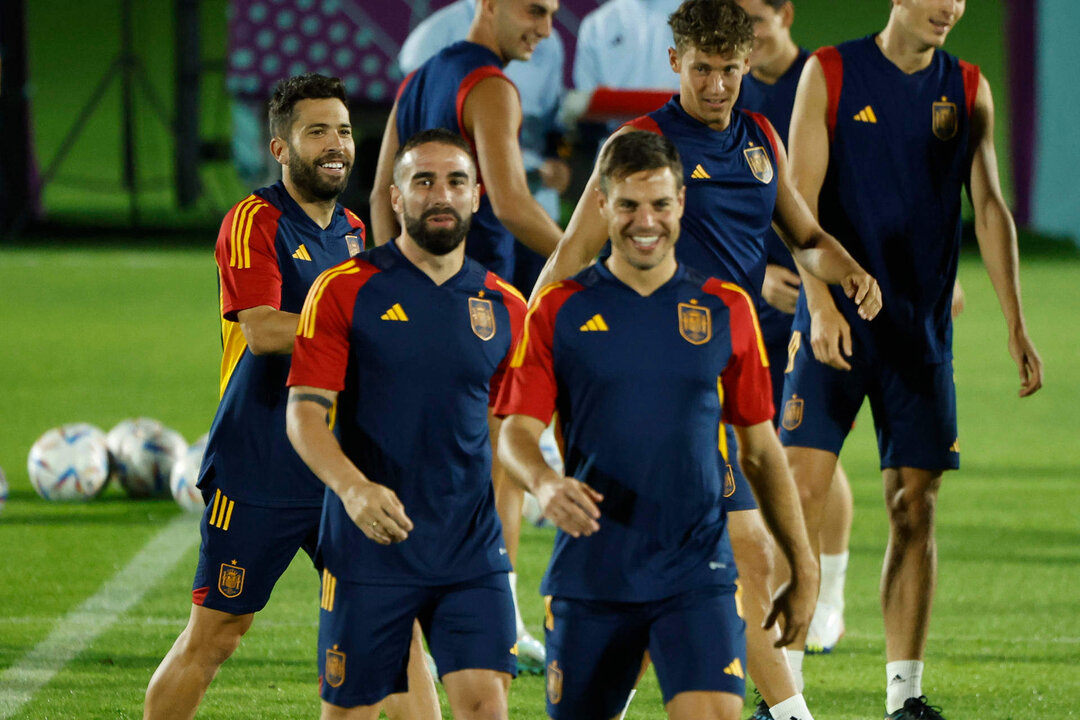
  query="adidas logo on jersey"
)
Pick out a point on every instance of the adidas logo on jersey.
point(596, 323)
point(699, 173)
point(866, 115)
point(395, 313)
point(735, 668)
point(302, 254)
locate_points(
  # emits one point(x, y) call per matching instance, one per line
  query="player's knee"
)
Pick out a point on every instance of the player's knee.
point(214, 640)
point(911, 512)
point(488, 706)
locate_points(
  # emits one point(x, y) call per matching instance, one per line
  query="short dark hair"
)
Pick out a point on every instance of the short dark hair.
point(288, 92)
point(635, 152)
point(434, 135)
point(717, 27)
point(776, 4)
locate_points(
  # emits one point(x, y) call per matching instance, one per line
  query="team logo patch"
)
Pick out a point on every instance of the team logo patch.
point(759, 163)
point(793, 413)
point(695, 323)
point(335, 667)
point(945, 119)
point(353, 243)
point(554, 682)
point(230, 580)
point(482, 318)
point(729, 481)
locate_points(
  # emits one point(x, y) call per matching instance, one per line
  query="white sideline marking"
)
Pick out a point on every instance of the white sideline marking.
point(82, 625)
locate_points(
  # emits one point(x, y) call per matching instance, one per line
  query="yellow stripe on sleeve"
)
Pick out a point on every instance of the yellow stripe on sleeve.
point(519, 353)
point(306, 327)
point(753, 314)
point(721, 442)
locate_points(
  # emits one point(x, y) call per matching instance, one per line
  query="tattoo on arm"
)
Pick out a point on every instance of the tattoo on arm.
point(311, 397)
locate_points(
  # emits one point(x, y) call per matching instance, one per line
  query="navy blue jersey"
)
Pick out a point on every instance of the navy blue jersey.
point(730, 192)
point(775, 102)
point(416, 366)
point(434, 97)
point(269, 251)
point(643, 387)
point(898, 160)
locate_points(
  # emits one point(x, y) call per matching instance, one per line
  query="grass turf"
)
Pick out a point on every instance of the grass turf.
point(98, 335)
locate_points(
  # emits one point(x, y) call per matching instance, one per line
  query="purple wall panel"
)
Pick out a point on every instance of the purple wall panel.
point(1020, 61)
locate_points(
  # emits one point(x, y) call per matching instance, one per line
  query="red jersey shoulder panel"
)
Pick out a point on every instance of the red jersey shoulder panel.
point(832, 64)
point(247, 257)
point(645, 123)
point(971, 84)
point(401, 87)
point(767, 128)
point(472, 80)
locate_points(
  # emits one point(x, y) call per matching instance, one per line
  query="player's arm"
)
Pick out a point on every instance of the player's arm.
point(268, 331)
point(567, 502)
point(585, 234)
point(762, 461)
point(374, 508)
point(816, 250)
point(492, 116)
point(384, 225)
point(830, 334)
point(996, 233)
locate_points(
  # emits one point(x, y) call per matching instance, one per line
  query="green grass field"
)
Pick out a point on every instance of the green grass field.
point(98, 335)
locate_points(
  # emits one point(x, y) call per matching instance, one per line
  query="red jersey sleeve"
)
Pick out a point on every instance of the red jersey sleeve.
point(745, 381)
point(321, 349)
point(529, 387)
point(247, 258)
point(515, 306)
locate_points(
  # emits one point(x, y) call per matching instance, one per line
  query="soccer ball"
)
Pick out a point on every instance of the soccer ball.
point(70, 462)
point(144, 452)
point(185, 474)
point(3, 490)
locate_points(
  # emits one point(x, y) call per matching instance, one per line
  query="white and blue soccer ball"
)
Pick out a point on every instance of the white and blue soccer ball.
point(185, 474)
point(70, 462)
point(144, 452)
point(3, 490)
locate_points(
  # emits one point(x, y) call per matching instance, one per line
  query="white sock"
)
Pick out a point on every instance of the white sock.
point(626, 707)
point(903, 680)
point(794, 661)
point(794, 708)
point(833, 574)
point(517, 610)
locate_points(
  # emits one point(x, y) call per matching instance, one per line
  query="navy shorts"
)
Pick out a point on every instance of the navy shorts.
point(697, 642)
point(245, 549)
point(738, 495)
point(365, 631)
point(776, 347)
point(914, 408)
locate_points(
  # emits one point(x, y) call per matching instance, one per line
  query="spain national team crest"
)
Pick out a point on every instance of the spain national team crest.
point(759, 163)
point(793, 413)
point(695, 323)
point(230, 580)
point(335, 667)
point(729, 481)
point(482, 318)
point(353, 243)
point(945, 119)
point(554, 682)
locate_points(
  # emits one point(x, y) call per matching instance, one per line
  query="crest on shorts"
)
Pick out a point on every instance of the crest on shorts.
point(729, 481)
point(335, 667)
point(759, 163)
point(230, 581)
point(793, 412)
point(946, 119)
point(482, 318)
point(554, 682)
point(695, 323)
point(353, 243)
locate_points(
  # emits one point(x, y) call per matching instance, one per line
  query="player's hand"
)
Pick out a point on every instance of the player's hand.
point(864, 290)
point(957, 306)
point(1028, 361)
point(377, 511)
point(555, 174)
point(830, 335)
point(793, 604)
point(569, 503)
point(781, 288)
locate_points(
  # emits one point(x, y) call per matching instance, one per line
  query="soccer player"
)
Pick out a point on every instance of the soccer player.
point(405, 347)
point(463, 88)
point(263, 504)
point(644, 358)
point(886, 132)
point(735, 171)
point(776, 63)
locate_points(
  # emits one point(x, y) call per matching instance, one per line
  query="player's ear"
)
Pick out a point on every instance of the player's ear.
point(396, 200)
point(682, 200)
point(280, 150)
point(476, 197)
point(673, 58)
point(787, 15)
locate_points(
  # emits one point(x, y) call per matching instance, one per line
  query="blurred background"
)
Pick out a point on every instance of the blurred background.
point(127, 115)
